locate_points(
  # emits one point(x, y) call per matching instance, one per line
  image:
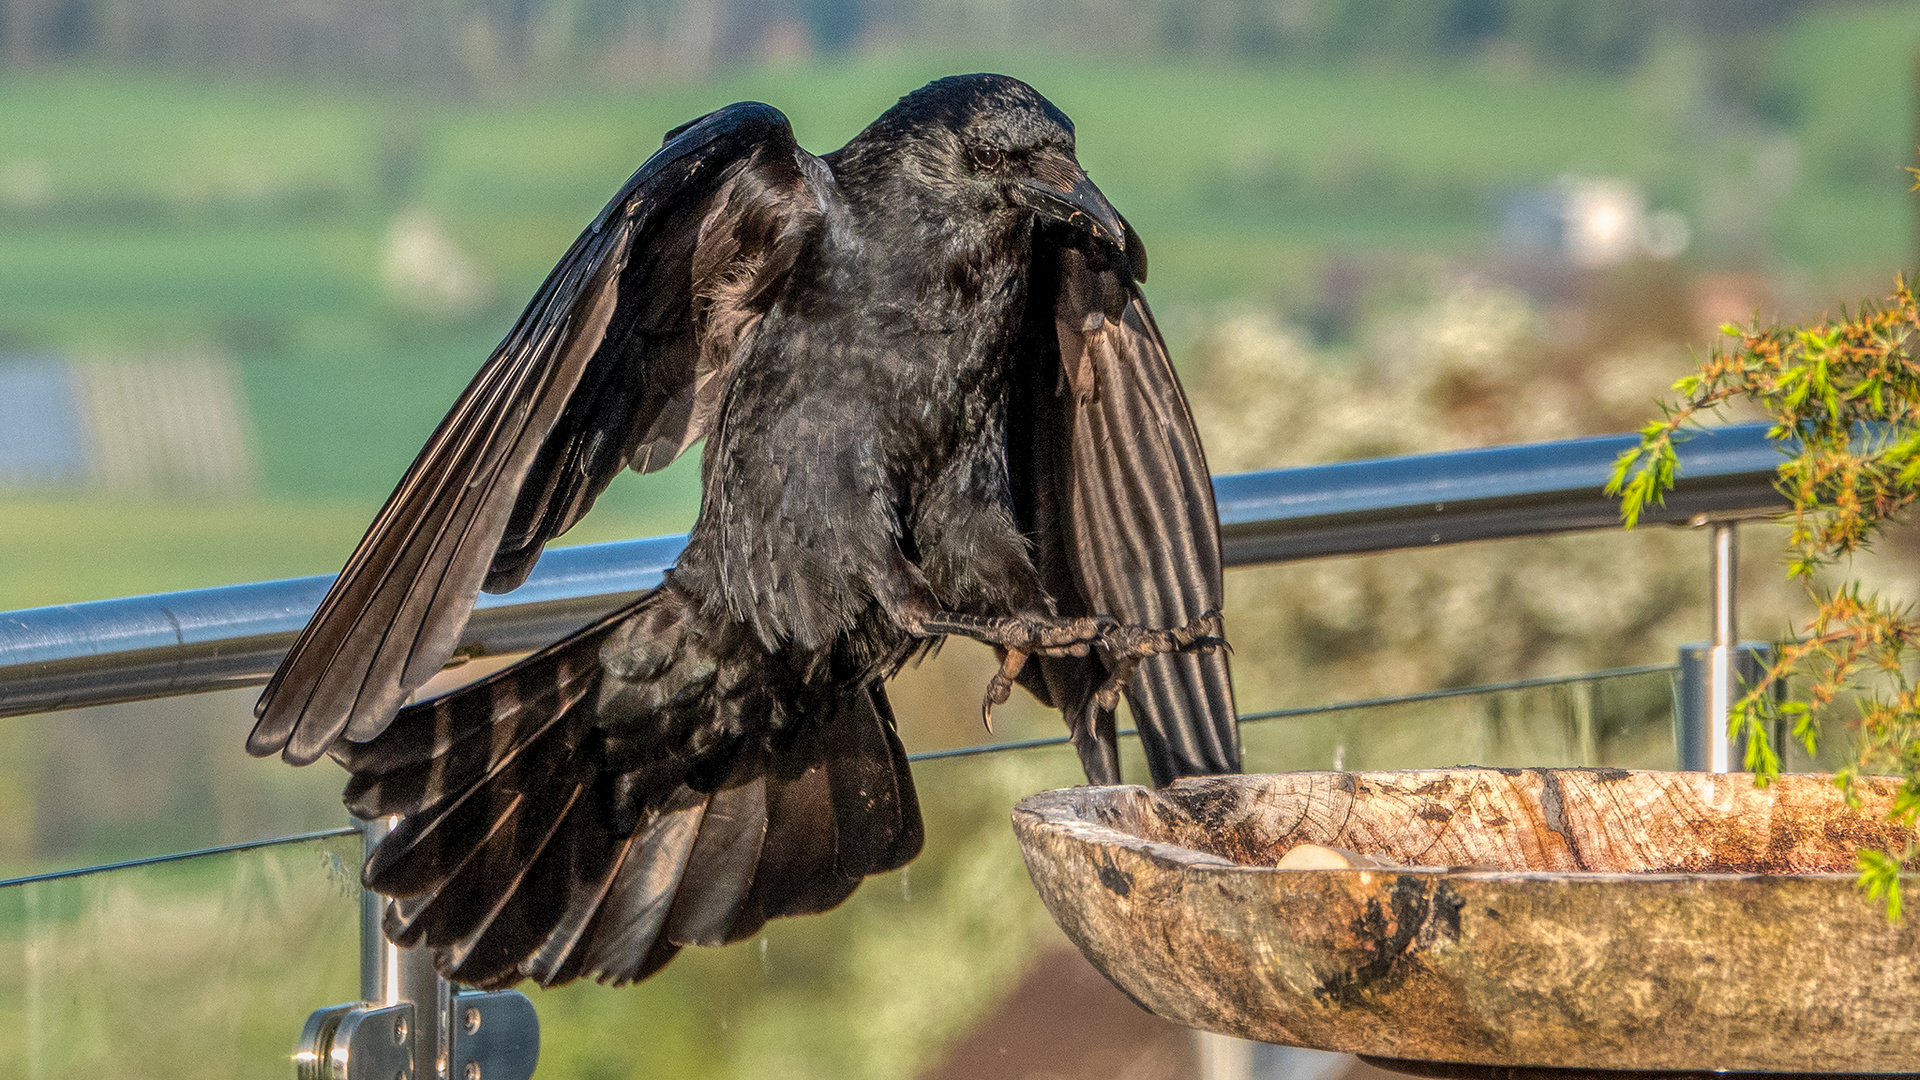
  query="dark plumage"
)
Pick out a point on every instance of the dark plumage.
point(934, 402)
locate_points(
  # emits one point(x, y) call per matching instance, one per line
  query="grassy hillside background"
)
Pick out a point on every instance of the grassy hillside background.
point(248, 216)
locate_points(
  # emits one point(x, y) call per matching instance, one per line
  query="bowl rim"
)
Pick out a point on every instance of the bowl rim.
point(1054, 810)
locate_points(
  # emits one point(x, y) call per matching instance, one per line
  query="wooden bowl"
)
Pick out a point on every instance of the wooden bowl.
point(1544, 918)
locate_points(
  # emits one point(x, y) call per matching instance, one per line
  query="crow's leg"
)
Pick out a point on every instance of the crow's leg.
point(1019, 637)
point(1035, 635)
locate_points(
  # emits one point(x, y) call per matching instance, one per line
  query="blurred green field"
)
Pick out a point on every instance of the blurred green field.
point(62, 550)
point(140, 211)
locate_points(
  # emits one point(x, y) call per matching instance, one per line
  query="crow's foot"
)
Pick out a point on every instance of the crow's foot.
point(1021, 637)
point(1125, 646)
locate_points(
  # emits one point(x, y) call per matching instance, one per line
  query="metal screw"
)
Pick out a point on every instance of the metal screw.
point(473, 1070)
point(472, 1019)
point(399, 1030)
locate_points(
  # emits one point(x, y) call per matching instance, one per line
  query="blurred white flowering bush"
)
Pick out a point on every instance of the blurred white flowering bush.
point(1475, 367)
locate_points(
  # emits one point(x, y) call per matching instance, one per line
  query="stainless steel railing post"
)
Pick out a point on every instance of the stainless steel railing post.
point(379, 958)
point(1726, 572)
point(1715, 673)
point(1722, 684)
point(390, 975)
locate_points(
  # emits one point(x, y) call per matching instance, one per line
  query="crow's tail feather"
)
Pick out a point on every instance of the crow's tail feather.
point(522, 852)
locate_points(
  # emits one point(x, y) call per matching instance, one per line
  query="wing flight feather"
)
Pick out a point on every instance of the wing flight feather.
point(621, 358)
point(1112, 484)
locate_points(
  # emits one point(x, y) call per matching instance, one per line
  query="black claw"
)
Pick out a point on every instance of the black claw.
point(1108, 696)
point(1000, 687)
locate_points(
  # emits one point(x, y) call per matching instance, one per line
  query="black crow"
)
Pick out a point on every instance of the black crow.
point(934, 403)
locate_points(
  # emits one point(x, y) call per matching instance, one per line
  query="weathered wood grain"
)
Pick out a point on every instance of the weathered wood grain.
point(1569, 918)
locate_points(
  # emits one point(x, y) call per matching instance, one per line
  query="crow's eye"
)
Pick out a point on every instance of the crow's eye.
point(986, 158)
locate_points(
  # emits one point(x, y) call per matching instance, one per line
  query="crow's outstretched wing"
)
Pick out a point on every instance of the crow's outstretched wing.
point(623, 357)
point(1110, 482)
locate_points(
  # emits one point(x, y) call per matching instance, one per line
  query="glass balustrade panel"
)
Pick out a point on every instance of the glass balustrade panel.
point(203, 967)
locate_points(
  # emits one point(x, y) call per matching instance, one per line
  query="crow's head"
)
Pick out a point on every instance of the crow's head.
point(992, 144)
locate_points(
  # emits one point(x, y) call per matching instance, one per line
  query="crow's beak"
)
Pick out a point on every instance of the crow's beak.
point(1067, 195)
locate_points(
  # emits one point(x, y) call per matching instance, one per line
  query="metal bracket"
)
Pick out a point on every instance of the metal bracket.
point(496, 1036)
point(357, 1042)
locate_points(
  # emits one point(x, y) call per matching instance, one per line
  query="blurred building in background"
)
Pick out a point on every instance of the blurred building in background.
point(157, 427)
point(1592, 223)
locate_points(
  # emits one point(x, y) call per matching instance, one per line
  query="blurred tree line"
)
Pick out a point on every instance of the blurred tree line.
point(464, 43)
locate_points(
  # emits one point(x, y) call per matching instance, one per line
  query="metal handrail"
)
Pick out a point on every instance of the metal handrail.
point(141, 647)
point(1493, 493)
